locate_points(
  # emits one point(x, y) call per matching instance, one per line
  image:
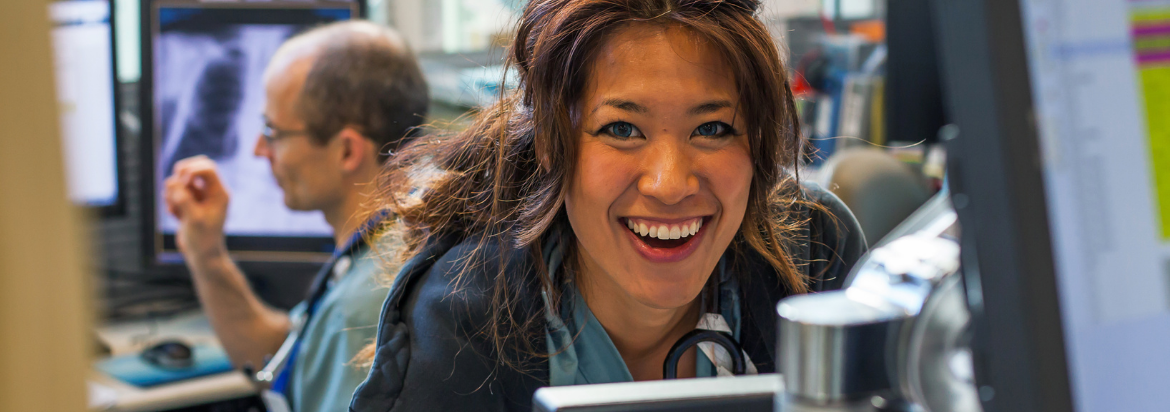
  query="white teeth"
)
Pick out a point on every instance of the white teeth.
point(665, 232)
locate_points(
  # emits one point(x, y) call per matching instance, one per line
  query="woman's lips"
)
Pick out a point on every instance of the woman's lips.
point(664, 242)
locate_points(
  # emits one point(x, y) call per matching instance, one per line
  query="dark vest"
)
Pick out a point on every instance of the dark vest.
point(431, 356)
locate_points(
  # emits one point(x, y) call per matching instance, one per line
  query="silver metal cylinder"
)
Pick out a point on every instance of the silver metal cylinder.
point(832, 348)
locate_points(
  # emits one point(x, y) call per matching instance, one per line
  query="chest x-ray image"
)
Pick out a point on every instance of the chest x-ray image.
point(209, 100)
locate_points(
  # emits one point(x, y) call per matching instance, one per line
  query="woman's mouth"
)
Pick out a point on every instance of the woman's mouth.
point(665, 242)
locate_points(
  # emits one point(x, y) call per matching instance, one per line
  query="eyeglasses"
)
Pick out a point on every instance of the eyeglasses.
point(272, 134)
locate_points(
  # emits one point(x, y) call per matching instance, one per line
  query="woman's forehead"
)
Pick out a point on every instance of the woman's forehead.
point(658, 62)
point(674, 45)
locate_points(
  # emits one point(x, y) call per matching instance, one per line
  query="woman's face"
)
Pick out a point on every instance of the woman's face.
point(664, 169)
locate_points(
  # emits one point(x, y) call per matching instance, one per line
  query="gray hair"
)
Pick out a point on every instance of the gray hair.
point(364, 76)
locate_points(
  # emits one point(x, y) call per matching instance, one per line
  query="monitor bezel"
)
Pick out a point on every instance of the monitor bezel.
point(749, 392)
point(159, 248)
point(995, 169)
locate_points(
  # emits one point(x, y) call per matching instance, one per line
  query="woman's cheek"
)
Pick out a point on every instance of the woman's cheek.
point(603, 173)
point(729, 172)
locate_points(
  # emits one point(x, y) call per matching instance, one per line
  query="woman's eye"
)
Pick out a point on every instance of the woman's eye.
point(621, 130)
point(712, 129)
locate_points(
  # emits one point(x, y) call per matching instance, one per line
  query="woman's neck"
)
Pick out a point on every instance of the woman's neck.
point(642, 334)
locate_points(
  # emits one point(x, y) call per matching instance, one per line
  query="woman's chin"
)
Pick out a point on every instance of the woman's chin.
point(669, 296)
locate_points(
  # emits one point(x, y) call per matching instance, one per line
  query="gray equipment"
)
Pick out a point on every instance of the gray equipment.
point(895, 339)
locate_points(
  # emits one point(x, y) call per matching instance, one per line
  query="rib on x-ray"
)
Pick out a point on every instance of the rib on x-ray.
point(218, 95)
point(210, 97)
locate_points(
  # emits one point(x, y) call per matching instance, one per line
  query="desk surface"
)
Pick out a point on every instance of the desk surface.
point(110, 394)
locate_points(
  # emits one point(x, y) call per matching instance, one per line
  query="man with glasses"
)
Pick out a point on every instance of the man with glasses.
point(340, 99)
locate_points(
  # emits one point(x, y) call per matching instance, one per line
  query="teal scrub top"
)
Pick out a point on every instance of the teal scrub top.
point(590, 357)
point(324, 376)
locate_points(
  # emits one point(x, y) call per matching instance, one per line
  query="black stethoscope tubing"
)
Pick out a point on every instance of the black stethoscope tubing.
point(693, 338)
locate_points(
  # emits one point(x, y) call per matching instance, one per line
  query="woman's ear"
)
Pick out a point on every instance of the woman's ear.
point(355, 149)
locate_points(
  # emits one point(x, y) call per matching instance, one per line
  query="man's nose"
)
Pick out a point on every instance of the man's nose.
point(667, 173)
point(261, 149)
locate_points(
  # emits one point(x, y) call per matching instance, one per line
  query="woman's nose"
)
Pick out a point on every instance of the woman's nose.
point(667, 174)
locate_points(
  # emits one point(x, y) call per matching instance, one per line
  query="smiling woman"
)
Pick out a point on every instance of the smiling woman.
point(640, 185)
point(659, 148)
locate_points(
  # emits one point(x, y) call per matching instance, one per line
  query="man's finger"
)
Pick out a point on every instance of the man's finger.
point(209, 177)
point(180, 198)
point(174, 211)
point(189, 162)
point(194, 167)
point(170, 186)
point(203, 180)
point(176, 197)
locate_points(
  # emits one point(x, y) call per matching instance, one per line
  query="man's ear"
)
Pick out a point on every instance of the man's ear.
point(356, 149)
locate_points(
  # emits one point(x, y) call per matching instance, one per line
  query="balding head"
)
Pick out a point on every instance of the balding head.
point(308, 45)
point(355, 74)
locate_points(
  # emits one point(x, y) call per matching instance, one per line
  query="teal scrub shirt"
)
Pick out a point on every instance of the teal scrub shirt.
point(592, 357)
point(324, 376)
point(580, 350)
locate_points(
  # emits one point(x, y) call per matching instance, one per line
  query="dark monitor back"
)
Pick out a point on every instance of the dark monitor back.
point(913, 94)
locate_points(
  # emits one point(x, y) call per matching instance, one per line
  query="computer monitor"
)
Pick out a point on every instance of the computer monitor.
point(742, 393)
point(1061, 178)
point(83, 48)
point(202, 76)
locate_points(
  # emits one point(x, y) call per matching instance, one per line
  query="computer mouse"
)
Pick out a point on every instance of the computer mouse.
point(169, 354)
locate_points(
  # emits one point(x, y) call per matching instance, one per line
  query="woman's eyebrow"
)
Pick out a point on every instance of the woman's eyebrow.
point(629, 106)
point(625, 105)
point(709, 107)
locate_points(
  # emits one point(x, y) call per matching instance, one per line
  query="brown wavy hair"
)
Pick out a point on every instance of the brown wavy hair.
point(505, 177)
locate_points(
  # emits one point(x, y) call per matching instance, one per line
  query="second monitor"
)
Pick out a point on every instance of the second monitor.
point(203, 75)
